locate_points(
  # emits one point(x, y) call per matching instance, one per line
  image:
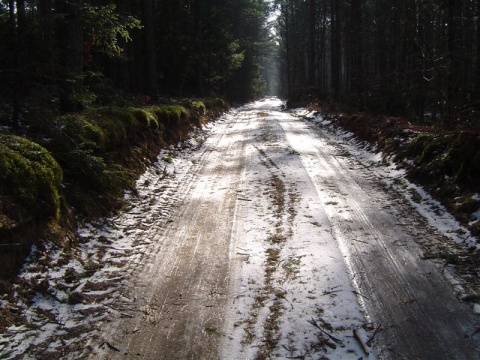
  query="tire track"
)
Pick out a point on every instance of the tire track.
point(398, 286)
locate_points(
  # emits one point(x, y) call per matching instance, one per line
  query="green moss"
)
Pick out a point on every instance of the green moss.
point(168, 158)
point(125, 115)
point(120, 125)
point(146, 117)
point(175, 113)
point(427, 148)
point(216, 104)
point(30, 176)
point(173, 119)
point(79, 131)
point(170, 113)
point(431, 148)
point(97, 132)
point(416, 146)
point(115, 132)
point(114, 179)
point(198, 108)
point(90, 147)
point(91, 131)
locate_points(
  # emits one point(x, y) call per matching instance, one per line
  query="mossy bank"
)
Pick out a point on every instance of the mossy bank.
point(444, 161)
point(79, 165)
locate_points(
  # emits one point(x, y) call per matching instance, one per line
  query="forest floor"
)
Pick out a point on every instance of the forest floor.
point(268, 234)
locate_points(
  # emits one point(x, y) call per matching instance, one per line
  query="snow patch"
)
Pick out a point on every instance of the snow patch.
point(384, 167)
point(65, 295)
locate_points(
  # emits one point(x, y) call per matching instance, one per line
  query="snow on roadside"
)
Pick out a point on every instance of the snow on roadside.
point(395, 177)
point(63, 294)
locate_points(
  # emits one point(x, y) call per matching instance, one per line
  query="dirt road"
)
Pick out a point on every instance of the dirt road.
point(282, 245)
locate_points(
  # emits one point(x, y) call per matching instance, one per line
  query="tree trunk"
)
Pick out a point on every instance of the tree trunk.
point(123, 70)
point(198, 26)
point(454, 93)
point(45, 8)
point(20, 77)
point(312, 38)
point(150, 71)
point(357, 48)
point(69, 33)
point(336, 47)
point(13, 46)
point(477, 65)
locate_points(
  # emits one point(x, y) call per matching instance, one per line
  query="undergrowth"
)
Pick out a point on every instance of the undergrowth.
point(67, 166)
point(444, 161)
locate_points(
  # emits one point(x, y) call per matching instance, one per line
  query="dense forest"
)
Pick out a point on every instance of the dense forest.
point(408, 57)
point(78, 52)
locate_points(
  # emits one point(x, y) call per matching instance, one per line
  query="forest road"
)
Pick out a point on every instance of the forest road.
point(284, 246)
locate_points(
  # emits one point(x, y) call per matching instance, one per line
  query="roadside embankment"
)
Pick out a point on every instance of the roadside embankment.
point(78, 165)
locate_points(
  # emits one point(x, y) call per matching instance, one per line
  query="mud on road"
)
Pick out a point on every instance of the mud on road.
point(282, 245)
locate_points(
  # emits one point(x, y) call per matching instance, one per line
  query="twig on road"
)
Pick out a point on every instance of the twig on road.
point(359, 294)
point(110, 346)
point(314, 323)
point(369, 341)
point(360, 241)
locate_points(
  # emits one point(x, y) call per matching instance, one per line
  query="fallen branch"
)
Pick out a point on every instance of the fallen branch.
point(369, 341)
point(364, 346)
point(331, 292)
point(314, 323)
point(359, 294)
point(111, 347)
point(361, 241)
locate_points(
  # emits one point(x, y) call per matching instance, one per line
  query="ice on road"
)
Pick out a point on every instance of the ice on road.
point(267, 239)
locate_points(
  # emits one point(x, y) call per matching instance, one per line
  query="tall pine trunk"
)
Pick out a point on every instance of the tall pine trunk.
point(13, 50)
point(311, 45)
point(336, 47)
point(45, 8)
point(21, 56)
point(454, 93)
point(69, 34)
point(477, 65)
point(150, 71)
point(357, 48)
point(198, 46)
point(288, 47)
